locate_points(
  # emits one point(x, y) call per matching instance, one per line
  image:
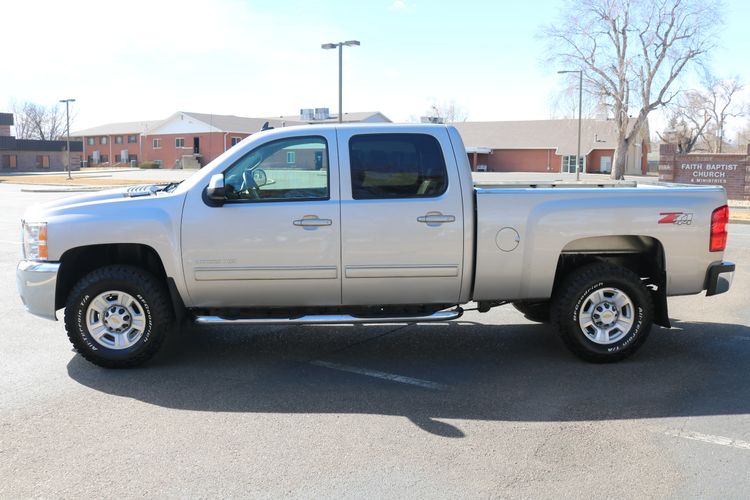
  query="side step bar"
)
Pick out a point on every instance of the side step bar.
point(332, 319)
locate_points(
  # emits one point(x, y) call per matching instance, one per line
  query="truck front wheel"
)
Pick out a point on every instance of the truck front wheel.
point(603, 312)
point(118, 316)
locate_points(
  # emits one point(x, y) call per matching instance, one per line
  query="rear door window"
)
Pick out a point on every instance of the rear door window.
point(387, 166)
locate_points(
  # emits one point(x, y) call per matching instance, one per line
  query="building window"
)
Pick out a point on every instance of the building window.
point(10, 161)
point(90, 141)
point(118, 139)
point(569, 164)
point(179, 142)
point(236, 140)
point(157, 143)
point(132, 139)
point(103, 139)
point(158, 162)
point(291, 157)
point(42, 161)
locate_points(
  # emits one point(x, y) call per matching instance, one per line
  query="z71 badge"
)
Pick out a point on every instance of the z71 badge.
point(679, 218)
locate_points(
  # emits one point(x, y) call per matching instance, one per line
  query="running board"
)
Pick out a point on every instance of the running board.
point(332, 319)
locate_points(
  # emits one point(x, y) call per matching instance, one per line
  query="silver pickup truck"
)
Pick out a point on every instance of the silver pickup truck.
point(367, 224)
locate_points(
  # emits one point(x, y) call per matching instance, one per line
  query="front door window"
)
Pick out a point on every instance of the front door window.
point(285, 170)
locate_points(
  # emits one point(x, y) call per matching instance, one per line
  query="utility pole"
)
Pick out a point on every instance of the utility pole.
point(580, 107)
point(67, 132)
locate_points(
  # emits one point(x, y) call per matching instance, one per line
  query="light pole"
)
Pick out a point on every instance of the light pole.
point(580, 105)
point(67, 130)
point(340, 46)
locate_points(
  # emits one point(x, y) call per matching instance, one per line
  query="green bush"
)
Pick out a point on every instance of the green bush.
point(148, 165)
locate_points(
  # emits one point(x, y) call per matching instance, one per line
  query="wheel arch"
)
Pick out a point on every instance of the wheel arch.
point(76, 262)
point(644, 255)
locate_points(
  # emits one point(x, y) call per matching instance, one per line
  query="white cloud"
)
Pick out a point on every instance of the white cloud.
point(399, 5)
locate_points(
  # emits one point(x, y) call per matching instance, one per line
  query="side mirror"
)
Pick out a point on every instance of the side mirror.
point(215, 190)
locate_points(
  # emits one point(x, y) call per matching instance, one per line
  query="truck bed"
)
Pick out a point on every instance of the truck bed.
point(524, 227)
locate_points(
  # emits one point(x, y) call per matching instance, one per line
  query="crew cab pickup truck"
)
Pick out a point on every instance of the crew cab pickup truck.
point(366, 224)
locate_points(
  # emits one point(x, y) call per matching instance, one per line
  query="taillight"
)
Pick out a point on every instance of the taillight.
point(719, 221)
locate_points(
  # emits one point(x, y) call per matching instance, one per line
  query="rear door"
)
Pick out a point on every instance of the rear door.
point(401, 217)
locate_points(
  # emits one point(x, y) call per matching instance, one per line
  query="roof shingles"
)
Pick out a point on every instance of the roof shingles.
point(561, 135)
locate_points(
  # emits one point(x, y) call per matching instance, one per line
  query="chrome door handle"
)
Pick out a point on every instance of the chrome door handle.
point(313, 221)
point(436, 218)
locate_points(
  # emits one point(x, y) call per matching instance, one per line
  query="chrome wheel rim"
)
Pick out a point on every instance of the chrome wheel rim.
point(606, 315)
point(115, 320)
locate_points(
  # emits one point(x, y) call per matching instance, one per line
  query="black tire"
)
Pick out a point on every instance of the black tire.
point(537, 311)
point(574, 294)
point(151, 302)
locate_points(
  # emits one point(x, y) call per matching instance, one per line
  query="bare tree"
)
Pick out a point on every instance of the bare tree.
point(631, 53)
point(743, 136)
point(721, 105)
point(698, 117)
point(684, 130)
point(446, 112)
point(688, 121)
point(36, 121)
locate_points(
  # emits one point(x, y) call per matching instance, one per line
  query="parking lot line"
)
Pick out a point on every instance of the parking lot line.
point(426, 384)
point(709, 438)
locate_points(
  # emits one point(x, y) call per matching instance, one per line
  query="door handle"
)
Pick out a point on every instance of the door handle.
point(312, 221)
point(436, 218)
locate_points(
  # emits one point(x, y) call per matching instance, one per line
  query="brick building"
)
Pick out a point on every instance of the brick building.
point(187, 139)
point(29, 155)
point(548, 146)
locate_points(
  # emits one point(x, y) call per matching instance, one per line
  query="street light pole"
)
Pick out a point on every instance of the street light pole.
point(340, 46)
point(580, 107)
point(67, 131)
point(341, 83)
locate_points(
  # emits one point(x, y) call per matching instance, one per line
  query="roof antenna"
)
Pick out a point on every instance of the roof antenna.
point(266, 126)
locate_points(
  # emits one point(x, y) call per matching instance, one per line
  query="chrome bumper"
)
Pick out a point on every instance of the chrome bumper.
point(36, 282)
point(719, 278)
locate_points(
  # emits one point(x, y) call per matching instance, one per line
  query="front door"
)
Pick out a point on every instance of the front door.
point(605, 164)
point(402, 219)
point(196, 145)
point(276, 240)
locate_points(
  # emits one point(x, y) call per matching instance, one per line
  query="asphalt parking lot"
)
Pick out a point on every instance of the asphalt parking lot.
point(489, 406)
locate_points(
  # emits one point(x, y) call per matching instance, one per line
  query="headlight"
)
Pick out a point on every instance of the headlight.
point(35, 240)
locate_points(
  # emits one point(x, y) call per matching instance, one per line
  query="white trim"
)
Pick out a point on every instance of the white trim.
point(182, 123)
point(562, 164)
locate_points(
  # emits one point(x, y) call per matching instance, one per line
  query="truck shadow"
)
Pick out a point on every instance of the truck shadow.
point(507, 372)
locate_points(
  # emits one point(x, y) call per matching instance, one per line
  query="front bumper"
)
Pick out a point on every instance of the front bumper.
point(719, 278)
point(36, 282)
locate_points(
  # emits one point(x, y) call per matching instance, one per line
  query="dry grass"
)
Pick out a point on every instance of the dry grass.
point(62, 180)
point(739, 215)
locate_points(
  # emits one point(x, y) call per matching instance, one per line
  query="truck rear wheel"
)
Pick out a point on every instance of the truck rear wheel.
point(603, 312)
point(537, 311)
point(118, 316)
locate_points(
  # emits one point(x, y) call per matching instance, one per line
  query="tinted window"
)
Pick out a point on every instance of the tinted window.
point(396, 166)
point(266, 173)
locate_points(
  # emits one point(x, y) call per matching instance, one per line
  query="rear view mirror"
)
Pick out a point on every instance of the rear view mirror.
point(215, 190)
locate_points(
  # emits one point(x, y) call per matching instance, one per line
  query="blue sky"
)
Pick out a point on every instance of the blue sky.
point(147, 59)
